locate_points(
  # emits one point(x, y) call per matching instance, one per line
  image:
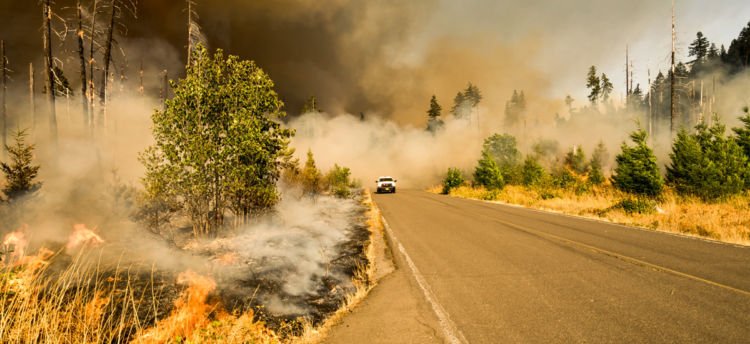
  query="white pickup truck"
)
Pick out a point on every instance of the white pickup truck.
point(386, 184)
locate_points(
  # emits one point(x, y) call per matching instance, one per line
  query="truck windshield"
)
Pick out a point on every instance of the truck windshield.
point(386, 179)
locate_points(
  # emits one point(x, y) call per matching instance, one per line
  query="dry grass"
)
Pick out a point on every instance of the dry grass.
point(726, 221)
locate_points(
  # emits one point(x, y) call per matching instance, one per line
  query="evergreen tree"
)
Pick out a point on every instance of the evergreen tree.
point(218, 142)
point(575, 159)
point(707, 164)
point(473, 96)
point(311, 176)
point(311, 105)
point(606, 87)
point(738, 54)
point(434, 123)
point(20, 173)
point(699, 48)
point(460, 106)
point(488, 174)
point(594, 85)
point(598, 161)
point(743, 133)
point(515, 109)
point(569, 103)
point(637, 172)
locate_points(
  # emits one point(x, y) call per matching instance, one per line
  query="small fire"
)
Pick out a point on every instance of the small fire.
point(15, 243)
point(83, 236)
point(190, 313)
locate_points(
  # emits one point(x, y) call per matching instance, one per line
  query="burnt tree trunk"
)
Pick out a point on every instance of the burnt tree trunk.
point(48, 71)
point(32, 99)
point(82, 58)
point(105, 71)
point(92, 61)
point(3, 108)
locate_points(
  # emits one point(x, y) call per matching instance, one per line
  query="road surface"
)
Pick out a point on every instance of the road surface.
point(476, 272)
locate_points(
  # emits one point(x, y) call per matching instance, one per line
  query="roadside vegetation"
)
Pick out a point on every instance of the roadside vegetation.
point(703, 190)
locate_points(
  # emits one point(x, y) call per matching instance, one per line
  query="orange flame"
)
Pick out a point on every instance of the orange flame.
point(190, 313)
point(82, 236)
point(18, 240)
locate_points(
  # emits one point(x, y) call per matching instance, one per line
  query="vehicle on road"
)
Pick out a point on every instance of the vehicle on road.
point(385, 184)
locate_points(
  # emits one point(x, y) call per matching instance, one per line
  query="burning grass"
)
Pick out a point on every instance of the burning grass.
point(73, 292)
point(725, 221)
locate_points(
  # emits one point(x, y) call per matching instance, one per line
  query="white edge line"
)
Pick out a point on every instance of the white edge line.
point(451, 332)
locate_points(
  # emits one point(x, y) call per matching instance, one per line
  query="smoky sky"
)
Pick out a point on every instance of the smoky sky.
point(388, 57)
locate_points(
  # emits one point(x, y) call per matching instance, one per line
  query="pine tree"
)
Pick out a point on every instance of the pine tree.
point(594, 85)
point(515, 109)
point(743, 141)
point(606, 87)
point(699, 48)
point(598, 161)
point(434, 123)
point(311, 176)
point(20, 173)
point(637, 172)
point(459, 109)
point(310, 106)
point(532, 171)
point(707, 164)
point(473, 96)
point(488, 174)
point(453, 179)
point(575, 159)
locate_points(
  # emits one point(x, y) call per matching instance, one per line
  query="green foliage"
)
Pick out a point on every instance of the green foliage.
point(637, 205)
point(562, 178)
point(743, 140)
point(218, 143)
point(532, 171)
point(338, 181)
point(575, 159)
point(504, 151)
point(707, 164)
point(453, 179)
point(699, 47)
point(488, 173)
point(20, 173)
point(606, 87)
point(637, 172)
point(434, 123)
point(472, 95)
point(515, 109)
point(311, 176)
point(593, 84)
point(311, 105)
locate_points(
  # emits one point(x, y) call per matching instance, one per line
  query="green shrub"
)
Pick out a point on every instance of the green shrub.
point(707, 164)
point(637, 205)
point(453, 179)
point(338, 181)
point(491, 195)
point(532, 171)
point(562, 178)
point(488, 174)
point(636, 171)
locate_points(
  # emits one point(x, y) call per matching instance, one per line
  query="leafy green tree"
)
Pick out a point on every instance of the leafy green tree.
point(453, 179)
point(488, 174)
point(434, 123)
point(532, 171)
point(338, 181)
point(594, 85)
point(637, 172)
point(707, 164)
point(20, 173)
point(503, 149)
point(218, 142)
point(605, 87)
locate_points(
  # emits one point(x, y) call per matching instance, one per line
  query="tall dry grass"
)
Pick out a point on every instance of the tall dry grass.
point(727, 220)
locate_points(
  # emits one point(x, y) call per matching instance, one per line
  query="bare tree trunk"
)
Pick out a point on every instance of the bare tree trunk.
point(3, 108)
point(141, 89)
point(190, 32)
point(49, 72)
point(92, 61)
point(107, 60)
point(82, 58)
point(32, 99)
point(672, 98)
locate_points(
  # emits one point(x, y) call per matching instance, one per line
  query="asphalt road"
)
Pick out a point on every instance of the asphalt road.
point(492, 273)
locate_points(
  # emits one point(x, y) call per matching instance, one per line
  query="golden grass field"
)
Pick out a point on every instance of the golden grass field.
point(81, 305)
point(727, 221)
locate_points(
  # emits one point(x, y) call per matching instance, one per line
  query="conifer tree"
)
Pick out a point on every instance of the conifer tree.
point(598, 160)
point(594, 85)
point(459, 108)
point(434, 123)
point(311, 176)
point(606, 87)
point(20, 173)
point(637, 172)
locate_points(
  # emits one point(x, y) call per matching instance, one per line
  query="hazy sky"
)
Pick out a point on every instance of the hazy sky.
point(579, 33)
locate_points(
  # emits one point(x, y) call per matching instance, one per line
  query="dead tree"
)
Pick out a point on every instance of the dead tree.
point(48, 68)
point(3, 108)
point(82, 58)
point(92, 62)
point(106, 61)
point(32, 99)
point(195, 36)
point(672, 96)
